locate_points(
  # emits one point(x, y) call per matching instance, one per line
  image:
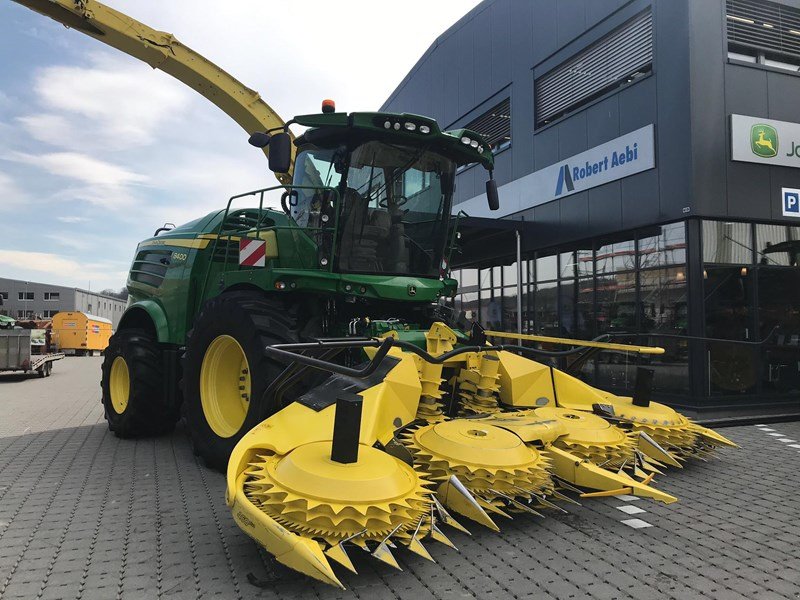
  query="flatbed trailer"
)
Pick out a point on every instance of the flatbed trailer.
point(18, 353)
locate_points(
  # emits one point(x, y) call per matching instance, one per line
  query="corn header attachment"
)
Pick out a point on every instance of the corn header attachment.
point(383, 457)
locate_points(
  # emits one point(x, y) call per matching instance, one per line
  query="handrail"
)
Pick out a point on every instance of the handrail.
point(292, 223)
point(573, 342)
point(291, 353)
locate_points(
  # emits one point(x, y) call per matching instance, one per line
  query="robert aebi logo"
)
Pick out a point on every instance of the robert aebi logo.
point(764, 140)
point(564, 180)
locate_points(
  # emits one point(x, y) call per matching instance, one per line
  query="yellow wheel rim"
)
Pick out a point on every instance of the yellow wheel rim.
point(225, 386)
point(119, 385)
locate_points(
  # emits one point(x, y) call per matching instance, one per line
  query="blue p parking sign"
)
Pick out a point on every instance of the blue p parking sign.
point(791, 202)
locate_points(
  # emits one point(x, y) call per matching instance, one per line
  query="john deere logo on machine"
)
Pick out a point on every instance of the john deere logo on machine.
point(412, 290)
point(764, 140)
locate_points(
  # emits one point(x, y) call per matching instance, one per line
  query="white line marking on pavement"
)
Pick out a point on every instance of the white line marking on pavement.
point(786, 440)
point(636, 523)
point(766, 429)
point(627, 498)
point(794, 445)
point(629, 509)
point(775, 434)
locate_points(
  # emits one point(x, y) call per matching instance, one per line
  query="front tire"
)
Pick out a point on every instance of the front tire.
point(226, 371)
point(133, 386)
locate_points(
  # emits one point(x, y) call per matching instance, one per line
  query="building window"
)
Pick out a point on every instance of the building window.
point(25, 295)
point(726, 242)
point(495, 125)
point(615, 257)
point(762, 32)
point(52, 296)
point(24, 314)
point(623, 56)
point(778, 245)
point(49, 314)
point(4, 295)
point(664, 245)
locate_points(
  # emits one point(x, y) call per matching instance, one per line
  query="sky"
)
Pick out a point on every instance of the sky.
point(97, 150)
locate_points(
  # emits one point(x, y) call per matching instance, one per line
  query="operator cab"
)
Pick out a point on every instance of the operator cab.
point(394, 203)
point(376, 189)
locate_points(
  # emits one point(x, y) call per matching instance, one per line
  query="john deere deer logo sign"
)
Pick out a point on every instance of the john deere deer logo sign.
point(764, 140)
point(755, 140)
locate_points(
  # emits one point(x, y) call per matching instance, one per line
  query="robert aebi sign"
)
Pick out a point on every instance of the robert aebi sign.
point(568, 178)
point(621, 157)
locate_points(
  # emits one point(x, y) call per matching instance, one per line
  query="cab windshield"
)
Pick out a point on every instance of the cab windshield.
point(394, 210)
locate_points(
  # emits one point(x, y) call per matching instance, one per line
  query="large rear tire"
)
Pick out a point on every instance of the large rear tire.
point(133, 386)
point(225, 370)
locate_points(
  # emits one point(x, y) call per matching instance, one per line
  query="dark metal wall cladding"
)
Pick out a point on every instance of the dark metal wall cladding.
point(502, 46)
point(607, 62)
point(721, 187)
point(764, 25)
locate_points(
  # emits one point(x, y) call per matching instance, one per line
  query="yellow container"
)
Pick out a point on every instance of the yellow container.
point(80, 333)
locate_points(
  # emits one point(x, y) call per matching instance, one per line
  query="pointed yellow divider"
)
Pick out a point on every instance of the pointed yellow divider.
point(339, 554)
point(454, 495)
point(712, 436)
point(649, 447)
point(383, 554)
point(417, 548)
point(585, 474)
point(298, 553)
point(437, 535)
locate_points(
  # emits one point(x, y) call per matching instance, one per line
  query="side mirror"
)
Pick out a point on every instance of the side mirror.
point(280, 153)
point(491, 195)
point(259, 139)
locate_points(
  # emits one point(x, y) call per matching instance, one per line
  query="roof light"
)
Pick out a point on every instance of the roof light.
point(480, 149)
point(410, 126)
point(280, 285)
point(474, 143)
point(323, 262)
point(387, 125)
point(328, 106)
point(397, 126)
point(465, 140)
point(424, 129)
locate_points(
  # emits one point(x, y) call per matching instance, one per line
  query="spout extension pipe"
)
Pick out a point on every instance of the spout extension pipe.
point(346, 428)
point(643, 387)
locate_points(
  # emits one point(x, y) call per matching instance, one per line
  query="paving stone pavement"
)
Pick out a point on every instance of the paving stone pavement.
point(86, 515)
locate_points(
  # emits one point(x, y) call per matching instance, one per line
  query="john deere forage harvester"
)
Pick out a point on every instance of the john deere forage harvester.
point(312, 355)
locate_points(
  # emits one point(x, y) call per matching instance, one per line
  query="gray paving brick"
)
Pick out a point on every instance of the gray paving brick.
point(83, 514)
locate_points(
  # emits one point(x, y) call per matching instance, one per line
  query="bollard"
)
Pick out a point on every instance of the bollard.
point(643, 387)
point(346, 428)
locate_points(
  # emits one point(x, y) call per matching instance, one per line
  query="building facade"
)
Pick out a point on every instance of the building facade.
point(27, 299)
point(653, 149)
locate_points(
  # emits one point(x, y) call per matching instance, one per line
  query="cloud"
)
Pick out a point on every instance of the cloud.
point(74, 241)
point(63, 269)
point(104, 146)
point(12, 196)
point(114, 103)
point(82, 168)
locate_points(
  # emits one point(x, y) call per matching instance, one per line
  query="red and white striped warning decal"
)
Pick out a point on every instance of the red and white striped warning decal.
point(252, 253)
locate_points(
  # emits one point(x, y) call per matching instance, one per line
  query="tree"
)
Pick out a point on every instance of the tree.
point(122, 294)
